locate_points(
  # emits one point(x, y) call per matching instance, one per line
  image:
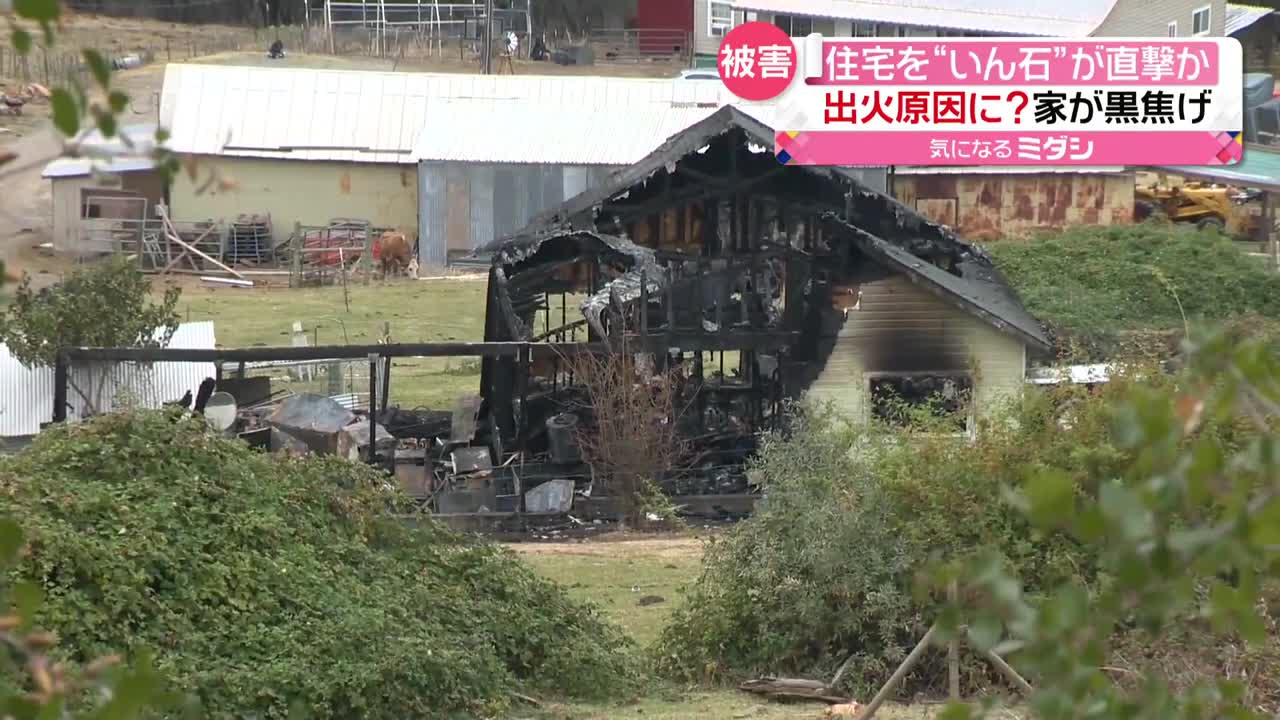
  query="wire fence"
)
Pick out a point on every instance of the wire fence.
point(454, 41)
point(53, 68)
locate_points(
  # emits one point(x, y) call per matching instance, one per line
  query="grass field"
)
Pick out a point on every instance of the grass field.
point(412, 310)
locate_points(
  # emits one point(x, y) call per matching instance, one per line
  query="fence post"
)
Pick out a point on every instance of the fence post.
point(373, 408)
point(298, 246)
point(60, 367)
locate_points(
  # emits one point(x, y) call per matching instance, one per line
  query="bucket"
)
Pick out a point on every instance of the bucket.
point(560, 438)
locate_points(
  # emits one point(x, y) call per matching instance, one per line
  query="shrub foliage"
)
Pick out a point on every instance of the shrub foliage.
point(829, 565)
point(1107, 290)
point(261, 582)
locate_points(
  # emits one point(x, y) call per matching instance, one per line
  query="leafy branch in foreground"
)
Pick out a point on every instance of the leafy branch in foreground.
point(1187, 535)
point(34, 685)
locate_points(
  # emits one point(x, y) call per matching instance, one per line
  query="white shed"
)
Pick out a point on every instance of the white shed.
point(111, 182)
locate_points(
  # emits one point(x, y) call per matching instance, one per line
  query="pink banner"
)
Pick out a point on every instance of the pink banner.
point(920, 61)
point(1009, 148)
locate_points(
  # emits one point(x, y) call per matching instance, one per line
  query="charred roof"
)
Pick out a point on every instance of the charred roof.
point(733, 147)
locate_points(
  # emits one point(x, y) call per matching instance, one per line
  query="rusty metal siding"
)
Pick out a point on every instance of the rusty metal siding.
point(985, 207)
point(899, 327)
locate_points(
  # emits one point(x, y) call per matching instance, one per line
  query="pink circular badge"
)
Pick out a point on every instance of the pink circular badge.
point(757, 61)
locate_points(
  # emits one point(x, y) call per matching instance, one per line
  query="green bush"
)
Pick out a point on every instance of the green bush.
point(1127, 288)
point(826, 567)
point(260, 582)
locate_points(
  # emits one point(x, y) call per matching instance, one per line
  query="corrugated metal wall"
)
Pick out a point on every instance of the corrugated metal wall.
point(26, 394)
point(462, 206)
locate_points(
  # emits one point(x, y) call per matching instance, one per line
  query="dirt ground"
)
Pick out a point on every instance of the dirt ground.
point(606, 546)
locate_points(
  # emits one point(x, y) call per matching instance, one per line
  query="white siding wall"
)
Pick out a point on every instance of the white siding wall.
point(899, 320)
point(1151, 18)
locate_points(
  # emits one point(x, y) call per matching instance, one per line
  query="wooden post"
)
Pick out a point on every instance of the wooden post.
point(386, 382)
point(522, 377)
point(366, 258)
point(644, 309)
point(953, 652)
point(1008, 671)
point(60, 372)
point(1269, 228)
point(487, 40)
point(671, 295)
point(342, 271)
point(296, 245)
point(897, 676)
point(328, 24)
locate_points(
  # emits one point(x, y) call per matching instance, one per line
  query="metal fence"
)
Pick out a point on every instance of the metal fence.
point(53, 67)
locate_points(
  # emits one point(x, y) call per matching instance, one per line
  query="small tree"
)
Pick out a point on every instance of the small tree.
point(104, 305)
point(634, 437)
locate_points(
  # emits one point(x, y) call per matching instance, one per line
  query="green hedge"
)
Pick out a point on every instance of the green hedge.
point(260, 581)
point(1127, 288)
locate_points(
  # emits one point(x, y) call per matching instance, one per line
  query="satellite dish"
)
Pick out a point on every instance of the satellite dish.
point(220, 411)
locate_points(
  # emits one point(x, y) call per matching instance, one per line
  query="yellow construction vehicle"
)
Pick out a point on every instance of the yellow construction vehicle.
point(1232, 212)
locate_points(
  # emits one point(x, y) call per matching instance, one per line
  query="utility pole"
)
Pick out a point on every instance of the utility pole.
point(487, 42)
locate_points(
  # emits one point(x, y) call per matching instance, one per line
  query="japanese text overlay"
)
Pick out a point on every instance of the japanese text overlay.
point(992, 101)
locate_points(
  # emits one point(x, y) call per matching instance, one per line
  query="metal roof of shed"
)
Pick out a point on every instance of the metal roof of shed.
point(1260, 169)
point(1047, 18)
point(118, 156)
point(390, 117)
point(529, 131)
point(1243, 17)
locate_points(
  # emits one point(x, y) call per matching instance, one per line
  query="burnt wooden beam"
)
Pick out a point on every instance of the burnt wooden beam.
point(559, 329)
point(705, 178)
point(319, 352)
point(710, 226)
point(625, 211)
point(691, 340)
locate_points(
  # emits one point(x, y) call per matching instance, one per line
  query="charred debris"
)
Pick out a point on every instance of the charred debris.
point(712, 266)
point(716, 278)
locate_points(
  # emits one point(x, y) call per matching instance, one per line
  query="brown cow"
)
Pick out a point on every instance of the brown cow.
point(394, 252)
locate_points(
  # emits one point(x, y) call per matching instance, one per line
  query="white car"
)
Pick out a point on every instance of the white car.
point(699, 74)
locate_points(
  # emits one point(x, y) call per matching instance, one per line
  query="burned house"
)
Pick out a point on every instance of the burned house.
point(764, 281)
